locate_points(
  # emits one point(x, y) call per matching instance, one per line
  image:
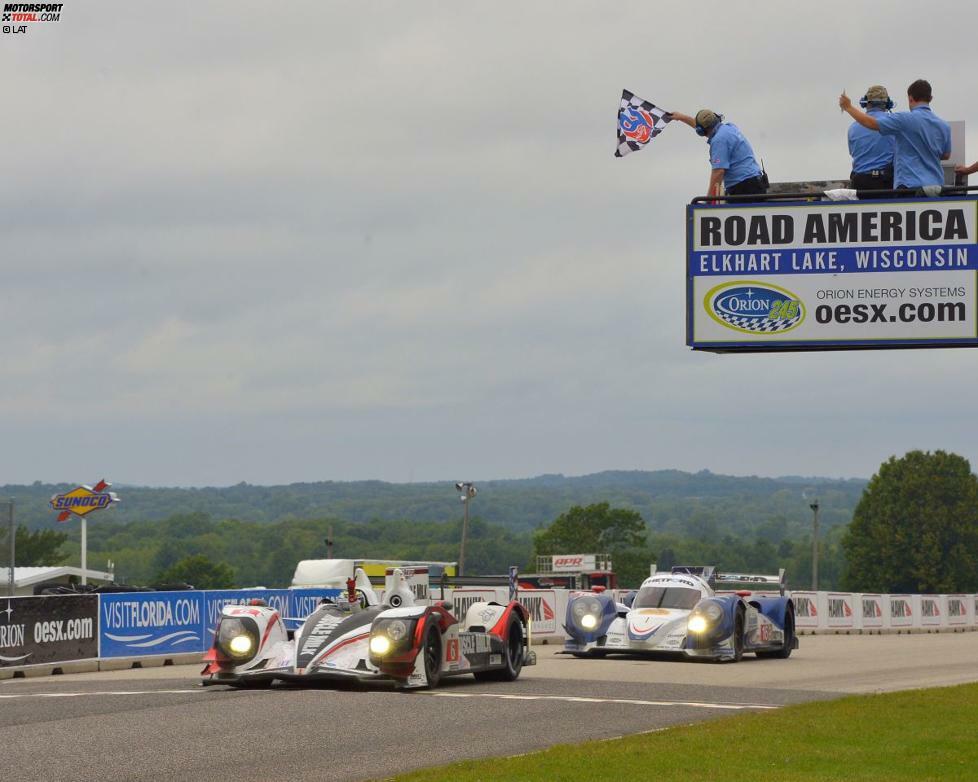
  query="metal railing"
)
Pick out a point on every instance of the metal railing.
point(819, 195)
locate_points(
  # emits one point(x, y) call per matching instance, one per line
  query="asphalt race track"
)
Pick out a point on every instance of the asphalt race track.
point(159, 724)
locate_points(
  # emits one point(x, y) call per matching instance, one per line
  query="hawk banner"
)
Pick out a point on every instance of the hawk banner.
point(638, 123)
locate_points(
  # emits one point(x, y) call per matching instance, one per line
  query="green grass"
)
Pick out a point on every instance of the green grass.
point(915, 735)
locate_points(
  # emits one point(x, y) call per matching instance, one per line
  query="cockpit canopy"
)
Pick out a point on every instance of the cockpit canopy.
point(667, 596)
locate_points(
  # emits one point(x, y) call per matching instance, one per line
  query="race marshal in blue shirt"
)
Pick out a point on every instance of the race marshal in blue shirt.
point(922, 138)
point(731, 156)
point(871, 152)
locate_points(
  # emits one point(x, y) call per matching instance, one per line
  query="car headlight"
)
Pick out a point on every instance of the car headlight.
point(584, 608)
point(391, 636)
point(380, 645)
point(237, 638)
point(396, 630)
point(589, 621)
point(712, 611)
point(241, 645)
point(703, 617)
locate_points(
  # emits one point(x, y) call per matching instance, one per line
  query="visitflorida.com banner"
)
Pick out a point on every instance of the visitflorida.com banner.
point(820, 275)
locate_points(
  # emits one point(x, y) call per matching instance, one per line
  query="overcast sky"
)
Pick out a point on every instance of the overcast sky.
point(277, 242)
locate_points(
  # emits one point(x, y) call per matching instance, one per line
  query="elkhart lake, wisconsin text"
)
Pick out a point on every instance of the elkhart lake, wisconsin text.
point(940, 238)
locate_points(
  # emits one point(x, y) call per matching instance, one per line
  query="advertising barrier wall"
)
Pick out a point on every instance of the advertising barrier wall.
point(48, 629)
point(959, 611)
point(132, 624)
point(931, 610)
point(545, 606)
point(904, 611)
point(807, 613)
point(841, 612)
point(872, 611)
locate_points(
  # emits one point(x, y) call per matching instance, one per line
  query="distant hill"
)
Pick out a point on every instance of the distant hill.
point(690, 504)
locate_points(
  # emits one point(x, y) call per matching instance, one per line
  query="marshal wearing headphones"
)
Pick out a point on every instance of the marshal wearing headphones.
point(731, 156)
point(872, 152)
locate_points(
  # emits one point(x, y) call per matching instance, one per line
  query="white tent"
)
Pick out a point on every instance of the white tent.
point(26, 578)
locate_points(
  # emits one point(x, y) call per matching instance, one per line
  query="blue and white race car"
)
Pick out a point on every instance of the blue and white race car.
point(682, 612)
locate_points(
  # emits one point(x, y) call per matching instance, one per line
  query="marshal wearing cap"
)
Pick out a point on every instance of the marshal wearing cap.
point(706, 119)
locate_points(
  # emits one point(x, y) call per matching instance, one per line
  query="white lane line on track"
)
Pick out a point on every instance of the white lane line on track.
point(579, 699)
point(82, 694)
point(498, 696)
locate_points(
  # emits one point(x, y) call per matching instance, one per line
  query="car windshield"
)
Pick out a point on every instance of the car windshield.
point(666, 597)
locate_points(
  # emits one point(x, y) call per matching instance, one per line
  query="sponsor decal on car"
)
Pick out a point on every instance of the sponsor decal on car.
point(473, 643)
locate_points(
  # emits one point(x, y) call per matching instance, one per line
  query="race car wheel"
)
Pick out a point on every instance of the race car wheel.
point(789, 638)
point(513, 662)
point(431, 650)
point(738, 639)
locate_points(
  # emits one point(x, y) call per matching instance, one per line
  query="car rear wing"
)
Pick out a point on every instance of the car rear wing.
point(752, 579)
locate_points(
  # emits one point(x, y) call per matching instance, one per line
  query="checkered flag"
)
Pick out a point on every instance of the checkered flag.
point(638, 123)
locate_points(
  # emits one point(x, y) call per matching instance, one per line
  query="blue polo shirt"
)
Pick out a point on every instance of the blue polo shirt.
point(732, 152)
point(870, 151)
point(922, 139)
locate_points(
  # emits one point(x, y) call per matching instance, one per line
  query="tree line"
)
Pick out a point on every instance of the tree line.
point(913, 529)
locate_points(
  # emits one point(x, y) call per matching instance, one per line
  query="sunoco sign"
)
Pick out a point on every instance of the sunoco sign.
point(826, 275)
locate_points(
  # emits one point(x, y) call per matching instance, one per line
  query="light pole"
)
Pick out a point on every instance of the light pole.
point(13, 545)
point(814, 507)
point(466, 491)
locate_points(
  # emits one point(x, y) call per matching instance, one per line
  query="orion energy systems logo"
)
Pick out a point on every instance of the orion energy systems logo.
point(752, 307)
point(18, 18)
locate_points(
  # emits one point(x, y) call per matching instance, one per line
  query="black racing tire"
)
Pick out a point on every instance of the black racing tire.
point(738, 636)
point(431, 654)
point(789, 638)
point(513, 654)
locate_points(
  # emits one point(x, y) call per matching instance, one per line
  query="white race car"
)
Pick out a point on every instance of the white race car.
point(356, 637)
point(682, 612)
